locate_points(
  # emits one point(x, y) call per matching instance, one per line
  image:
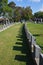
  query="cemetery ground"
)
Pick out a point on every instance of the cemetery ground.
point(37, 31)
point(13, 47)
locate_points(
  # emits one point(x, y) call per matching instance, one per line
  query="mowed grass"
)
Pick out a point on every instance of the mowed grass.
point(37, 31)
point(9, 49)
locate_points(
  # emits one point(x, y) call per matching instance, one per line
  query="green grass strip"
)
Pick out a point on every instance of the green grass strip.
point(9, 49)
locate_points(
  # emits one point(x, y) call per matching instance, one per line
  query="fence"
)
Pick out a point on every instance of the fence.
point(34, 48)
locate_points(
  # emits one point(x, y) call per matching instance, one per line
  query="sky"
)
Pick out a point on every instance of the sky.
point(36, 5)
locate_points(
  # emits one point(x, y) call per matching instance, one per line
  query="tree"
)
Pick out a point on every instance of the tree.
point(21, 13)
point(17, 14)
point(8, 10)
point(3, 3)
point(38, 14)
point(5, 9)
point(12, 5)
point(26, 13)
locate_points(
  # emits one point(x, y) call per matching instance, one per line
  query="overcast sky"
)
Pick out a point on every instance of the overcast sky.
point(36, 5)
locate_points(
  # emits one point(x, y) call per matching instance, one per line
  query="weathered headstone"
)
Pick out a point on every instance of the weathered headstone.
point(41, 59)
point(37, 51)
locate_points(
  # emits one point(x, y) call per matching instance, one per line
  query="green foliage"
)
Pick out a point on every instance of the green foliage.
point(2, 4)
point(28, 12)
point(7, 9)
point(22, 13)
point(12, 4)
point(18, 13)
point(38, 14)
point(5, 1)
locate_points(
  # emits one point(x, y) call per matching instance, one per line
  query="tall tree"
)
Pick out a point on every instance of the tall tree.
point(22, 13)
point(12, 5)
point(38, 14)
point(3, 3)
point(17, 13)
point(28, 12)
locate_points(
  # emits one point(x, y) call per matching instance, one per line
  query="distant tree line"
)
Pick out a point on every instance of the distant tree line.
point(38, 16)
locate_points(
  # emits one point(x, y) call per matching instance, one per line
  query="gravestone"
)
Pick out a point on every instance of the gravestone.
point(41, 59)
point(37, 51)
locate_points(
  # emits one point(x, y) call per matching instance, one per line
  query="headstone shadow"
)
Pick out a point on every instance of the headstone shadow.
point(22, 46)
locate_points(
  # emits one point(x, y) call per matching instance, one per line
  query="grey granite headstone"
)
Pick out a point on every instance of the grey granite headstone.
point(33, 40)
point(41, 59)
point(37, 51)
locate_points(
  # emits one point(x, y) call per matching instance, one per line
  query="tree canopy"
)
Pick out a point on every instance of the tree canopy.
point(38, 14)
point(3, 3)
point(12, 4)
point(23, 13)
point(18, 13)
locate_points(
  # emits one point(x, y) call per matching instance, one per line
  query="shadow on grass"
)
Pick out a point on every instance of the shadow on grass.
point(21, 58)
point(25, 55)
point(41, 47)
point(36, 34)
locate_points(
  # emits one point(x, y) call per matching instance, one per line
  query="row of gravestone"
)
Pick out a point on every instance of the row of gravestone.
point(5, 26)
point(35, 49)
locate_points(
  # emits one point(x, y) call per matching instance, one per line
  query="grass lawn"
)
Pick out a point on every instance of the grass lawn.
point(14, 49)
point(10, 46)
point(37, 31)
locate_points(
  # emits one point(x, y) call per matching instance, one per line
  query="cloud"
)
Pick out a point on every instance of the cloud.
point(35, 0)
point(41, 9)
point(19, 0)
